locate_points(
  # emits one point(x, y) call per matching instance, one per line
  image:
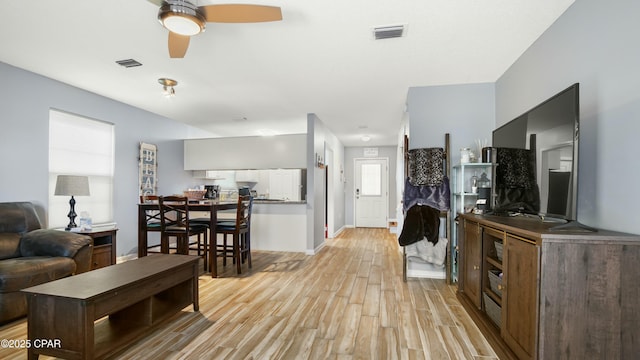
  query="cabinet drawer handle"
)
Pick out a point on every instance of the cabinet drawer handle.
point(500, 287)
point(476, 267)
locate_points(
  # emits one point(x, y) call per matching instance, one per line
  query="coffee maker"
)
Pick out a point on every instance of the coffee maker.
point(212, 191)
point(483, 202)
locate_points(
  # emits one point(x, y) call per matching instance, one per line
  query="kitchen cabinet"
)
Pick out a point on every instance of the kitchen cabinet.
point(251, 176)
point(209, 174)
point(285, 184)
point(562, 294)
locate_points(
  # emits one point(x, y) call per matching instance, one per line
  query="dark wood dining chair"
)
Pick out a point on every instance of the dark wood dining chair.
point(174, 219)
point(152, 219)
point(240, 230)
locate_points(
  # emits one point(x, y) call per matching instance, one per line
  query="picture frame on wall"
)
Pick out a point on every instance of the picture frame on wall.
point(148, 169)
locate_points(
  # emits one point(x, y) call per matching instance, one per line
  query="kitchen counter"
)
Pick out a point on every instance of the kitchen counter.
point(278, 201)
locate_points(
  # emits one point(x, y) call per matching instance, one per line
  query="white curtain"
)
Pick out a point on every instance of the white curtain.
point(81, 146)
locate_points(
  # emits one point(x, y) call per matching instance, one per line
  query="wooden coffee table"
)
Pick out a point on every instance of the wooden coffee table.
point(98, 313)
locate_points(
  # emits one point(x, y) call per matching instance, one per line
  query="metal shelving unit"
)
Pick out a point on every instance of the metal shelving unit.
point(462, 196)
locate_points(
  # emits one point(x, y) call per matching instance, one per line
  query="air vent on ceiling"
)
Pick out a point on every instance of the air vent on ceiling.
point(388, 32)
point(128, 63)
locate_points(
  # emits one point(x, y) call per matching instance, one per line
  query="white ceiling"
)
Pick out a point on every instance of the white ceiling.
point(321, 58)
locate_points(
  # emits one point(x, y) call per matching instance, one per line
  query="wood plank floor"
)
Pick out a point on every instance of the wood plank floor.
point(346, 302)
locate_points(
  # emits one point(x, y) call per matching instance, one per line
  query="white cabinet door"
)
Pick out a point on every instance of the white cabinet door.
point(284, 184)
point(247, 175)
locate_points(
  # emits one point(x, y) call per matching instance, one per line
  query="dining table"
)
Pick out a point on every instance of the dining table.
point(210, 206)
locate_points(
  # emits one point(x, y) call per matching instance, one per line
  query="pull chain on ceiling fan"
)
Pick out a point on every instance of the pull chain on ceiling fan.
point(184, 19)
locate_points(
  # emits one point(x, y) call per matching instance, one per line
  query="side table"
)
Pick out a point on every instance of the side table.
point(104, 245)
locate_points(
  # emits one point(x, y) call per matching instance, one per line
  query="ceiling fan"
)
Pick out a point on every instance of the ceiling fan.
point(183, 19)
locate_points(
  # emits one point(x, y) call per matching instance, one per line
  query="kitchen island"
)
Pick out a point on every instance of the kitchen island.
point(276, 225)
point(279, 225)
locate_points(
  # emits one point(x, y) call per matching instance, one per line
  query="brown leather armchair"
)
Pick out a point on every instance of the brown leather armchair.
point(31, 256)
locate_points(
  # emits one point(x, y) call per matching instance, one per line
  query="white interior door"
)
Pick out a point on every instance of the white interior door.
point(371, 192)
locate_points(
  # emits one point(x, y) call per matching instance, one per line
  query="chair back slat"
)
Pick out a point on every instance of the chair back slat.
point(174, 212)
point(151, 216)
point(240, 249)
point(243, 214)
point(174, 217)
point(149, 199)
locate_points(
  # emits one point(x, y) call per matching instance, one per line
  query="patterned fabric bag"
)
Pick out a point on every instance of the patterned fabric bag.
point(426, 166)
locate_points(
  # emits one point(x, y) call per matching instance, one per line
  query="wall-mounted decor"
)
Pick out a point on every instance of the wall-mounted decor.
point(370, 152)
point(148, 167)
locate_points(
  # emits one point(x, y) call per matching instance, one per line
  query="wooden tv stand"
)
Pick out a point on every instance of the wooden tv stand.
point(98, 313)
point(562, 294)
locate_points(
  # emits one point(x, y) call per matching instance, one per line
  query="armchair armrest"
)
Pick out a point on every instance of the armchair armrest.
point(49, 242)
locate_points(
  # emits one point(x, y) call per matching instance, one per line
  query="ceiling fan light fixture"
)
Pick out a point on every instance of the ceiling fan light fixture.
point(181, 17)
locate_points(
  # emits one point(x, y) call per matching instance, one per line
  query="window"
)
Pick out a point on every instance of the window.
point(81, 146)
point(371, 174)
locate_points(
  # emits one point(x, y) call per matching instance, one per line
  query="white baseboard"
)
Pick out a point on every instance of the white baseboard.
point(316, 250)
point(339, 231)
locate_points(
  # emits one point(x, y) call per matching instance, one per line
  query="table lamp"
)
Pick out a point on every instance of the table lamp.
point(71, 185)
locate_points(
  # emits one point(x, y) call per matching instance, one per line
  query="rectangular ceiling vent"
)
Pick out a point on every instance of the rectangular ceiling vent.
point(128, 63)
point(388, 32)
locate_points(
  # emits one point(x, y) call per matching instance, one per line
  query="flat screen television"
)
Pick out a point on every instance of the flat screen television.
point(550, 131)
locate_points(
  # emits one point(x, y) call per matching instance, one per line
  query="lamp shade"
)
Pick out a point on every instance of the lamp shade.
point(72, 185)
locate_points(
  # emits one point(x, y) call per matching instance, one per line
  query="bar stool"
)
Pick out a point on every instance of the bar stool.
point(174, 219)
point(240, 229)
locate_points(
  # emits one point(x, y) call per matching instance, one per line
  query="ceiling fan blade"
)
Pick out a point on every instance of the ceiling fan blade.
point(156, 2)
point(241, 13)
point(178, 45)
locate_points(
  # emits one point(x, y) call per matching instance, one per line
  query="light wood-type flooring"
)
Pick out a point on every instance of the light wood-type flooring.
point(346, 302)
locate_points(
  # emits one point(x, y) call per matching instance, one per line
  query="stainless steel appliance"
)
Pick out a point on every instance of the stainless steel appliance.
point(212, 191)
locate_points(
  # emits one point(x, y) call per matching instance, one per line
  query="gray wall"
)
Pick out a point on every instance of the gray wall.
point(465, 111)
point(350, 153)
point(25, 99)
point(594, 43)
point(318, 139)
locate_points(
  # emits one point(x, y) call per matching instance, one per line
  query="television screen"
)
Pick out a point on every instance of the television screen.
point(550, 131)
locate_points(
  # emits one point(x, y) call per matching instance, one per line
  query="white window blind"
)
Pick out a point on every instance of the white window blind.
point(81, 146)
